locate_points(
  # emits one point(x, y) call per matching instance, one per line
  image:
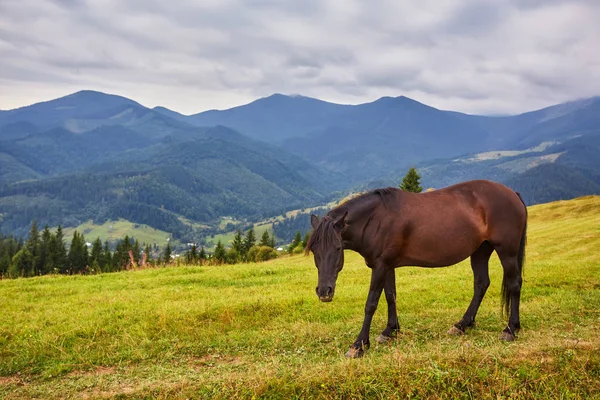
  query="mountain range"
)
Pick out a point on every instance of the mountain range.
point(95, 156)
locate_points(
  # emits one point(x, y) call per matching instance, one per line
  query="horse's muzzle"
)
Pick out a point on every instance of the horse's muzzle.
point(325, 294)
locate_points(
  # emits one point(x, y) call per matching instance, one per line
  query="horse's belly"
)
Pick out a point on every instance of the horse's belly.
point(438, 249)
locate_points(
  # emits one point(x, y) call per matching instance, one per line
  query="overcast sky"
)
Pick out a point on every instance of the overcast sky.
point(473, 56)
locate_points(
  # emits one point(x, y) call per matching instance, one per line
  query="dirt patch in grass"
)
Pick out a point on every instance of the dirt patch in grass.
point(108, 394)
point(96, 372)
point(16, 380)
point(213, 360)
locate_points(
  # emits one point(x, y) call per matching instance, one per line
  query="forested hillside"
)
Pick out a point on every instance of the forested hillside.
point(95, 157)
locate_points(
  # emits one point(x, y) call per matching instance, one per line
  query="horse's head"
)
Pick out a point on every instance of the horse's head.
point(326, 245)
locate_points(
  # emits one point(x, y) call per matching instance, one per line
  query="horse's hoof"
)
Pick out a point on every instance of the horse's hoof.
point(354, 353)
point(454, 331)
point(381, 339)
point(507, 336)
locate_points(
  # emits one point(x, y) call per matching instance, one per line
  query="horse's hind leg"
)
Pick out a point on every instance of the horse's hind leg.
point(481, 282)
point(511, 293)
point(393, 325)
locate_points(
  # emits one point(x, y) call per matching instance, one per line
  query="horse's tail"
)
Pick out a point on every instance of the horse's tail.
point(521, 255)
point(520, 262)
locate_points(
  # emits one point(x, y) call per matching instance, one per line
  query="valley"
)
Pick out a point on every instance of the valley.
point(96, 157)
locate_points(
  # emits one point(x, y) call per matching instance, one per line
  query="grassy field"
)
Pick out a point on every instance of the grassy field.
point(116, 230)
point(258, 330)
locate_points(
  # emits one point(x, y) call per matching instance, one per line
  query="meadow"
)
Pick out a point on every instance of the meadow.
point(116, 230)
point(259, 331)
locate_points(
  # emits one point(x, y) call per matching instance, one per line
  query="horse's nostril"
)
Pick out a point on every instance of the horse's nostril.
point(329, 290)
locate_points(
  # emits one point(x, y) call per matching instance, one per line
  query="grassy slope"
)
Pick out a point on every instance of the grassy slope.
point(116, 230)
point(259, 331)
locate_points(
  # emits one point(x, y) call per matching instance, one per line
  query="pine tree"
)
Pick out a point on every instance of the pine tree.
point(21, 264)
point(220, 253)
point(237, 244)
point(272, 240)
point(135, 249)
point(296, 242)
point(411, 182)
point(59, 256)
point(45, 247)
point(96, 255)
point(148, 253)
point(8, 249)
point(167, 254)
point(120, 258)
point(265, 240)
point(106, 264)
point(191, 256)
point(249, 241)
point(78, 253)
point(202, 254)
point(33, 245)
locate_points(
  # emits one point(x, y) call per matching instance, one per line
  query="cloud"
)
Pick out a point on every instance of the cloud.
point(474, 56)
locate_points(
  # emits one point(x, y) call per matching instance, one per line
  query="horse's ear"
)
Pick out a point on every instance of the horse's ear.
point(340, 222)
point(314, 221)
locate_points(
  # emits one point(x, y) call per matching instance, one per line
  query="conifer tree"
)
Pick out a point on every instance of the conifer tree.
point(237, 244)
point(265, 240)
point(148, 253)
point(78, 253)
point(33, 245)
point(167, 254)
point(202, 254)
point(96, 255)
point(106, 264)
point(120, 258)
point(220, 253)
point(249, 241)
point(59, 256)
point(8, 249)
point(411, 182)
point(272, 240)
point(21, 264)
point(297, 241)
point(45, 246)
point(135, 249)
point(191, 256)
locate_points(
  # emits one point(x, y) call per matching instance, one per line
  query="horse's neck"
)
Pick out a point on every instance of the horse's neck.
point(359, 217)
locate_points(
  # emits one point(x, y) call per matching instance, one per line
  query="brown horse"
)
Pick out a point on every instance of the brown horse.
point(392, 228)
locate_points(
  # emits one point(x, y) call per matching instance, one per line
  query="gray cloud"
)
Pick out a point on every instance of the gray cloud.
point(476, 56)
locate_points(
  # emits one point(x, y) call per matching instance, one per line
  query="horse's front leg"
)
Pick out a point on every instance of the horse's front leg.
point(393, 326)
point(362, 343)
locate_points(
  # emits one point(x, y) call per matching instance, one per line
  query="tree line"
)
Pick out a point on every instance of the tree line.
point(246, 249)
point(46, 252)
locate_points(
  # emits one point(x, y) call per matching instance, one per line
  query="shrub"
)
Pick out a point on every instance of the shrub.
point(298, 249)
point(261, 253)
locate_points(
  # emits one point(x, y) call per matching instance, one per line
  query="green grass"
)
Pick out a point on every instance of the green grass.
point(258, 330)
point(116, 230)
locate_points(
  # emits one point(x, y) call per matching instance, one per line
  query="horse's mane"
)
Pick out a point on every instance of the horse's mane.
point(325, 232)
point(382, 195)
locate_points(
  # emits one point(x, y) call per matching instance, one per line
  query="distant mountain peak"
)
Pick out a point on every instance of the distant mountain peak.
point(91, 95)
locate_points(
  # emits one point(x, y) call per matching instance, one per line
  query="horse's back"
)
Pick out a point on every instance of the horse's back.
point(500, 210)
point(444, 226)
